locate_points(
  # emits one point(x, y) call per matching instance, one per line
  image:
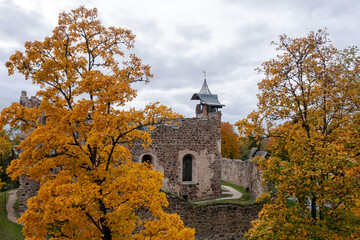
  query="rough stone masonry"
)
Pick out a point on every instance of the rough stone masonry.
point(197, 139)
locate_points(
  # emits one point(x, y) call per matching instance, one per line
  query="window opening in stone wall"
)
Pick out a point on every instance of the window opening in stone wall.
point(200, 108)
point(187, 168)
point(147, 158)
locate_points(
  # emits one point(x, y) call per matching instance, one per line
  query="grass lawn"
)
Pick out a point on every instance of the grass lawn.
point(291, 202)
point(226, 195)
point(8, 229)
point(244, 200)
point(245, 195)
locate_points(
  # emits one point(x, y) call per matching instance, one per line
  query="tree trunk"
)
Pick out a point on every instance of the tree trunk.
point(107, 233)
point(313, 208)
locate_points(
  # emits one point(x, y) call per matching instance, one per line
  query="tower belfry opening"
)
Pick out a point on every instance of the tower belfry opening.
point(209, 103)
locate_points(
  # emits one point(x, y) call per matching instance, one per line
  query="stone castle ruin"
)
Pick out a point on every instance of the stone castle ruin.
point(188, 154)
point(28, 187)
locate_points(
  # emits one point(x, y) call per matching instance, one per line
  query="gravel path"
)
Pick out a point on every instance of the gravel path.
point(235, 195)
point(10, 206)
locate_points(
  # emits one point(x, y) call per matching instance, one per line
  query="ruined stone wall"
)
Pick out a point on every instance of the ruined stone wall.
point(28, 188)
point(218, 221)
point(243, 173)
point(199, 137)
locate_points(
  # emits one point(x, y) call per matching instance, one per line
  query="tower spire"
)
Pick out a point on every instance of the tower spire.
point(209, 103)
point(204, 89)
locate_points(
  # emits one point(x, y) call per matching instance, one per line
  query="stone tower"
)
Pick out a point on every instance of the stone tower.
point(209, 103)
point(28, 187)
point(188, 154)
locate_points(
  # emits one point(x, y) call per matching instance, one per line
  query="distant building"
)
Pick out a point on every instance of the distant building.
point(255, 152)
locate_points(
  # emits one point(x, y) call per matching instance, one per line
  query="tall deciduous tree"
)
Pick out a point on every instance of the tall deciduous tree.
point(79, 137)
point(309, 106)
point(230, 147)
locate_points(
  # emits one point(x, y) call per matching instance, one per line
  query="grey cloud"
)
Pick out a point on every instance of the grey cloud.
point(230, 69)
point(193, 32)
point(148, 28)
point(11, 87)
point(220, 65)
point(19, 25)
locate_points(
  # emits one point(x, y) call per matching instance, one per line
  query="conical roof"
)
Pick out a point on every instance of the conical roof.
point(205, 89)
point(206, 97)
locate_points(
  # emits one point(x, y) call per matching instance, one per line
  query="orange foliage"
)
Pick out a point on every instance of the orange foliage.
point(90, 188)
point(230, 147)
point(309, 105)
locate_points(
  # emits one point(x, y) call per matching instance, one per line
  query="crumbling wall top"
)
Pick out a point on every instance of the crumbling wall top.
point(30, 103)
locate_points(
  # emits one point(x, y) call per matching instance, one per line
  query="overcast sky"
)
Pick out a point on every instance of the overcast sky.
point(182, 38)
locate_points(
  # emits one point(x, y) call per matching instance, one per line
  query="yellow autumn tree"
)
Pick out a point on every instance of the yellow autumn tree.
point(230, 147)
point(309, 106)
point(5, 149)
point(80, 136)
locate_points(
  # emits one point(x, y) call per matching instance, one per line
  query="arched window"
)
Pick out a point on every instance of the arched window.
point(147, 158)
point(187, 167)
